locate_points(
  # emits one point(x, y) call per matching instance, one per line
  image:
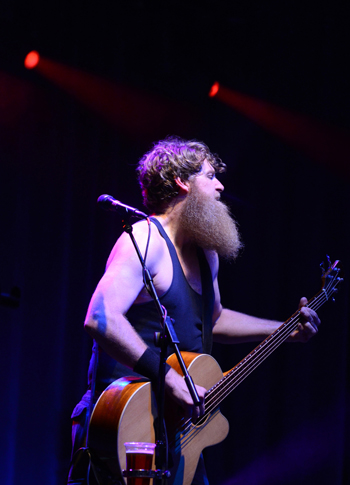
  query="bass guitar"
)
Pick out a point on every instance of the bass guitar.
point(126, 410)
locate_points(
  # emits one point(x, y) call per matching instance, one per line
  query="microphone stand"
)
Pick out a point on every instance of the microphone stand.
point(166, 337)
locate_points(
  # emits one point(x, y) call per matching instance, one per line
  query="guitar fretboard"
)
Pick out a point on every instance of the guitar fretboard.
point(237, 374)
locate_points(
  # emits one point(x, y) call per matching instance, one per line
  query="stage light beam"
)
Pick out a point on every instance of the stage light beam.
point(32, 60)
point(322, 142)
point(135, 112)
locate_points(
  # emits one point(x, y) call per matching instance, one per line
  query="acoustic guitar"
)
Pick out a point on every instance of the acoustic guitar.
point(126, 410)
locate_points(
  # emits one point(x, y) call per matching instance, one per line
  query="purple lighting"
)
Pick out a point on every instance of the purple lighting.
point(300, 455)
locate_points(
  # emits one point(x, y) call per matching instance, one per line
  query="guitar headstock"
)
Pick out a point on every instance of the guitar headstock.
point(331, 278)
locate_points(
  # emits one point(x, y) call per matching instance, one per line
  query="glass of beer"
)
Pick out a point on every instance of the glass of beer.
point(139, 456)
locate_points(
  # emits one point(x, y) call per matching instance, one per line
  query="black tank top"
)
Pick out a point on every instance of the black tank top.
point(182, 303)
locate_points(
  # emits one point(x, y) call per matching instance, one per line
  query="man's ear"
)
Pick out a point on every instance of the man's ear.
point(184, 185)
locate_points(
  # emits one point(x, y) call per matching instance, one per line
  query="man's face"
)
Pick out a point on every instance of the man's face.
point(205, 219)
point(206, 181)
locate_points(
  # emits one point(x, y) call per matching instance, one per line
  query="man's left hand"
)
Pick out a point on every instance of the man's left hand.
point(309, 323)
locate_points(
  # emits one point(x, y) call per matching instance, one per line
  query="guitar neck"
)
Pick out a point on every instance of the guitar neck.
point(237, 374)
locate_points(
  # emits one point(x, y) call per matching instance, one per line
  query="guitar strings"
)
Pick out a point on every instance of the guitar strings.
point(230, 381)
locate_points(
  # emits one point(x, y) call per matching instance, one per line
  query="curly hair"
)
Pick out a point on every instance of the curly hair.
point(168, 159)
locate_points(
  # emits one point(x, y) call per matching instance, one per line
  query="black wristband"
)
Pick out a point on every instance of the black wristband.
point(148, 365)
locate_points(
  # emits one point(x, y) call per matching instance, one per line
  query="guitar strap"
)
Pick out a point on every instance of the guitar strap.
point(208, 298)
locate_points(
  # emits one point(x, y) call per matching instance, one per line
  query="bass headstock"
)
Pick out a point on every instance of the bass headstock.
point(331, 278)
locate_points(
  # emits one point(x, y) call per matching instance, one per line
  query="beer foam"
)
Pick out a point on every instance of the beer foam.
point(139, 447)
point(145, 451)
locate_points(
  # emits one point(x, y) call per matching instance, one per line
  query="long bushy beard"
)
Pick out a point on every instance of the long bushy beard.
point(209, 224)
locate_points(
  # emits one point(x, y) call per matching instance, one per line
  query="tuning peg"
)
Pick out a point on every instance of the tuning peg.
point(329, 261)
point(322, 268)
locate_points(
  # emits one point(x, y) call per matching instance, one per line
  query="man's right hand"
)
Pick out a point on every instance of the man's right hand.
point(176, 388)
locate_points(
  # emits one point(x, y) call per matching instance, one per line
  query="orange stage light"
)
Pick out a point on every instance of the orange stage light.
point(32, 60)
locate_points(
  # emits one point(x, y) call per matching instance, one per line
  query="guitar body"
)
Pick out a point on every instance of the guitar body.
point(126, 411)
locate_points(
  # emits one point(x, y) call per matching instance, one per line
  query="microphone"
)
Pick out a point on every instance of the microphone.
point(108, 203)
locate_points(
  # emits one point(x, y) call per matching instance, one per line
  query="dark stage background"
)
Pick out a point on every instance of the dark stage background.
point(64, 143)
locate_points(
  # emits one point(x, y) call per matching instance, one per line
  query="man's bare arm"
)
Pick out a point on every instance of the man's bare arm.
point(235, 327)
point(115, 293)
point(231, 327)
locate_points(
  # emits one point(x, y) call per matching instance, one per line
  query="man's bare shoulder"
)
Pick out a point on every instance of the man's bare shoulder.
point(124, 248)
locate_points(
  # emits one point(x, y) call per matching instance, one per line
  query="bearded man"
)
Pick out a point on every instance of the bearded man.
point(193, 228)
